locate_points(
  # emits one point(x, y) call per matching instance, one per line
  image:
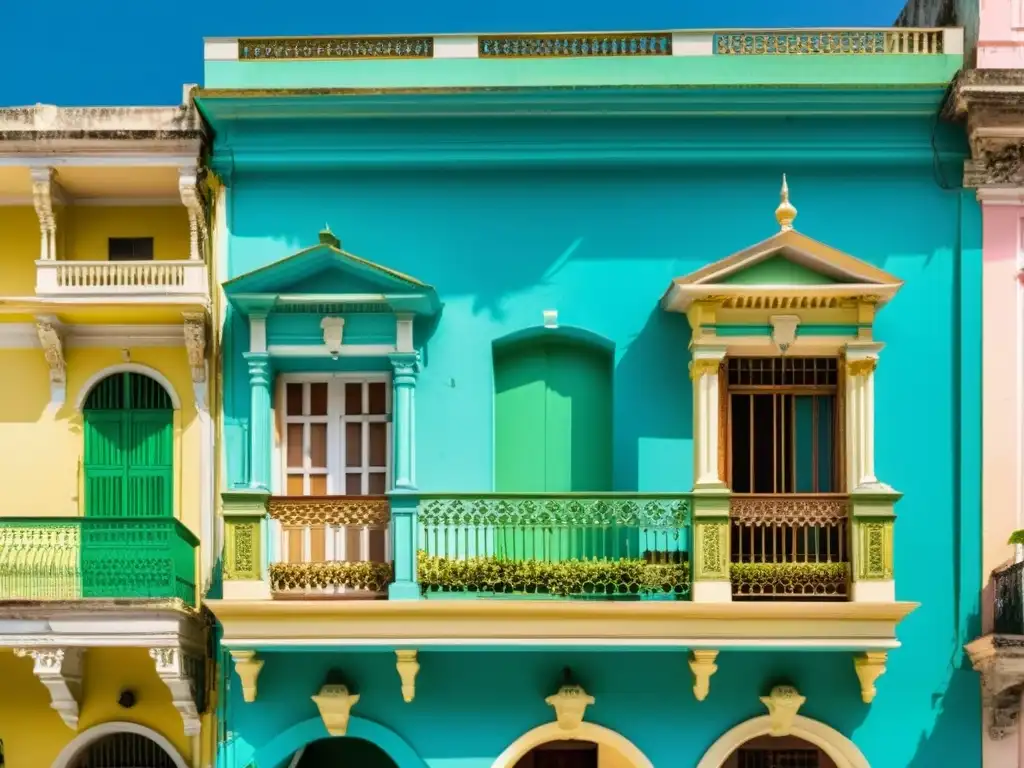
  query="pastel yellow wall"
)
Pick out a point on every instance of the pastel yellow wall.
point(19, 249)
point(87, 228)
point(42, 449)
point(33, 734)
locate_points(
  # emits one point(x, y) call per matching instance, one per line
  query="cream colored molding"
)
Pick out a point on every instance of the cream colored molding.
point(188, 189)
point(333, 328)
point(861, 361)
point(603, 737)
point(707, 358)
point(180, 674)
point(195, 345)
point(335, 704)
point(60, 670)
point(1001, 195)
point(843, 752)
point(570, 705)
point(44, 193)
point(50, 332)
point(999, 660)
point(783, 703)
point(869, 667)
point(247, 667)
point(784, 330)
point(702, 665)
point(408, 667)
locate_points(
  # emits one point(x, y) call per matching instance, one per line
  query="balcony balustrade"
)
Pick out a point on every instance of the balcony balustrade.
point(184, 281)
point(48, 559)
point(330, 546)
point(1008, 593)
point(790, 547)
point(603, 546)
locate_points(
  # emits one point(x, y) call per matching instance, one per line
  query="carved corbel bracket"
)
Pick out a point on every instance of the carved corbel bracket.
point(195, 345)
point(570, 705)
point(784, 330)
point(45, 192)
point(60, 670)
point(188, 189)
point(869, 667)
point(247, 667)
point(50, 338)
point(408, 667)
point(335, 704)
point(333, 328)
point(999, 659)
point(702, 664)
point(181, 675)
point(783, 703)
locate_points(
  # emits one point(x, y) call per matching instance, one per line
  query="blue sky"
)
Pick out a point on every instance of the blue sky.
point(118, 52)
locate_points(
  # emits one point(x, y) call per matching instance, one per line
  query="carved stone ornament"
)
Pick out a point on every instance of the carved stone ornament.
point(408, 667)
point(869, 667)
point(333, 328)
point(247, 667)
point(570, 704)
point(999, 659)
point(44, 193)
point(784, 330)
point(195, 345)
point(60, 670)
point(861, 366)
point(704, 367)
point(702, 664)
point(181, 674)
point(1004, 165)
point(783, 703)
point(335, 704)
point(49, 331)
point(188, 189)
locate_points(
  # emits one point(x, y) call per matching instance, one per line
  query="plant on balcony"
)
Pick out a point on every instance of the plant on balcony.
point(1017, 537)
point(372, 577)
point(797, 579)
point(563, 579)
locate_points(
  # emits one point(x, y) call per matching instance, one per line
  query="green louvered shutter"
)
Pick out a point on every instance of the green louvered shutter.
point(129, 444)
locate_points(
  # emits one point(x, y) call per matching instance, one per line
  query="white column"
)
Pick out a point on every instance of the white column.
point(704, 374)
point(861, 360)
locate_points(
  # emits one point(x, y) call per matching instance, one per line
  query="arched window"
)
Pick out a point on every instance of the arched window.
point(345, 750)
point(129, 447)
point(123, 750)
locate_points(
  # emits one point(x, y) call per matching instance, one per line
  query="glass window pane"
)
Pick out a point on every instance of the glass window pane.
point(354, 484)
point(294, 486)
point(353, 444)
point(378, 444)
point(353, 398)
point(294, 398)
point(294, 439)
point(318, 446)
point(318, 398)
point(318, 485)
point(378, 397)
point(378, 483)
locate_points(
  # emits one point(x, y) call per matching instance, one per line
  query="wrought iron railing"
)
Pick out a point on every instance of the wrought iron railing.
point(1008, 588)
point(596, 546)
point(789, 546)
point(97, 557)
point(331, 545)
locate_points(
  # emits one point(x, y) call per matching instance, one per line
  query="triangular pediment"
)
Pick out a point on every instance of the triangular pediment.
point(325, 274)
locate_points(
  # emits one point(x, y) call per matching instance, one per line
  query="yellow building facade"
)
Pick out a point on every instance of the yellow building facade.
point(107, 437)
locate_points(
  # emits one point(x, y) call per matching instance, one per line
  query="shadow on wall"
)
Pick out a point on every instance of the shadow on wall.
point(653, 411)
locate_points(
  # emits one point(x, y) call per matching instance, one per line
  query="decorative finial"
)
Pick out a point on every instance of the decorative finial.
point(327, 237)
point(785, 213)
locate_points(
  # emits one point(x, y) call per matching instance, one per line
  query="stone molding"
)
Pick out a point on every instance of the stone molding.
point(51, 339)
point(991, 103)
point(182, 674)
point(60, 670)
point(999, 659)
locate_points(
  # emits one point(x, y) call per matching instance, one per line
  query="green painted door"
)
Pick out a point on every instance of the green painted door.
point(129, 446)
point(553, 434)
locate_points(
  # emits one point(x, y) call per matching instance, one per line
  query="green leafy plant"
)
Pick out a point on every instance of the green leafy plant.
point(789, 578)
point(373, 577)
point(1017, 537)
point(565, 578)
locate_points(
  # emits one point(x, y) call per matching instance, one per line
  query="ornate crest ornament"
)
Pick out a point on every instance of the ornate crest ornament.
point(335, 704)
point(570, 704)
point(783, 703)
point(333, 328)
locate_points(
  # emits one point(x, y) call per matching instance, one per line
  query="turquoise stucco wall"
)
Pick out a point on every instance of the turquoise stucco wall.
point(600, 244)
point(470, 706)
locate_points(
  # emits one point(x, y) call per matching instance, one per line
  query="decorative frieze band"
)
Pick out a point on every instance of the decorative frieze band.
point(355, 511)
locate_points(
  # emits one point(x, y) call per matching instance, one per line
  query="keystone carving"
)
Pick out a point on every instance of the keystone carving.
point(195, 345)
point(49, 331)
point(570, 704)
point(783, 703)
point(182, 676)
point(247, 667)
point(335, 704)
point(333, 328)
point(188, 189)
point(702, 664)
point(44, 193)
point(60, 670)
point(408, 667)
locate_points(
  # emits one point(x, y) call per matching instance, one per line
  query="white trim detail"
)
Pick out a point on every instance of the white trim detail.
point(584, 732)
point(60, 670)
point(26, 336)
point(74, 747)
point(145, 370)
point(841, 750)
point(178, 672)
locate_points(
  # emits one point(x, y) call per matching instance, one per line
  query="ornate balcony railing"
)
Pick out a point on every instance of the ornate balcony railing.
point(830, 42)
point(331, 546)
point(79, 558)
point(791, 546)
point(1008, 589)
point(584, 546)
point(184, 279)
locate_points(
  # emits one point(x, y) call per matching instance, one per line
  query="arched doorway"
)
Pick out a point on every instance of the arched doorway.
point(345, 750)
point(564, 754)
point(778, 752)
point(119, 745)
point(805, 739)
point(587, 746)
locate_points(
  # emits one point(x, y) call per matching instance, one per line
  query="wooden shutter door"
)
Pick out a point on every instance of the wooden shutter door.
point(105, 463)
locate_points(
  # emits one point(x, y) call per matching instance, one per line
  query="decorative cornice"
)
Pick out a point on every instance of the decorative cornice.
point(783, 703)
point(60, 670)
point(182, 674)
point(50, 333)
point(991, 103)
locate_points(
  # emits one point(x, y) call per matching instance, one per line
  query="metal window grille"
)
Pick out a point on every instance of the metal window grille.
point(779, 758)
point(124, 750)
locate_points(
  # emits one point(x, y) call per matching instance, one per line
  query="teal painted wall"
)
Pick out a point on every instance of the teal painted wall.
point(600, 244)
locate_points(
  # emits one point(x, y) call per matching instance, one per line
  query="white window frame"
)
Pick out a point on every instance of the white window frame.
point(335, 420)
